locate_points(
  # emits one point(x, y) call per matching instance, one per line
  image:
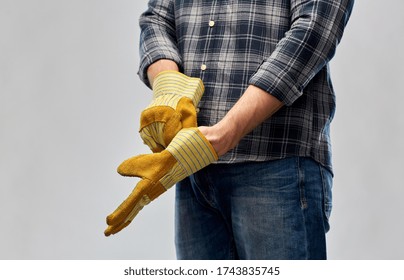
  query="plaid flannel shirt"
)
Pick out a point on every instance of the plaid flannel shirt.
point(280, 46)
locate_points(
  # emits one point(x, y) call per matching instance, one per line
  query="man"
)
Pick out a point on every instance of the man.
point(266, 110)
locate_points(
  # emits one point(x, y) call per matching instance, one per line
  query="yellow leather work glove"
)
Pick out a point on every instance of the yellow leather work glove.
point(188, 152)
point(175, 98)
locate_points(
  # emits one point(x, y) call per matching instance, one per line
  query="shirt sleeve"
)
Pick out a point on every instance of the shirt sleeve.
point(157, 36)
point(316, 29)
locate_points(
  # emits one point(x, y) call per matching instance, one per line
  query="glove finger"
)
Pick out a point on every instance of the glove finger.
point(152, 166)
point(187, 111)
point(131, 205)
point(152, 136)
point(171, 128)
point(136, 166)
point(115, 229)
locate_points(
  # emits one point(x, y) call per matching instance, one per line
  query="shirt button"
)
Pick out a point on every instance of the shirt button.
point(203, 67)
point(211, 23)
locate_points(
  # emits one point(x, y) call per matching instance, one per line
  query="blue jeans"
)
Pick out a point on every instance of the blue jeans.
point(256, 210)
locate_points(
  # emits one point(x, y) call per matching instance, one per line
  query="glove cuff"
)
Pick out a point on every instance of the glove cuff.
point(174, 82)
point(192, 150)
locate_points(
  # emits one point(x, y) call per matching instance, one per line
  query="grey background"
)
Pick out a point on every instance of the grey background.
point(70, 102)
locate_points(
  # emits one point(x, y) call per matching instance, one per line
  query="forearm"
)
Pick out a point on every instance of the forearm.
point(157, 37)
point(317, 28)
point(159, 66)
point(254, 107)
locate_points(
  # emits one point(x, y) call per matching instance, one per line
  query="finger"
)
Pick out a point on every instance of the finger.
point(151, 166)
point(115, 229)
point(112, 229)
point(152, 136)
point(172, 127)
point(135, 166)
point(132, 204)
point(187, 111)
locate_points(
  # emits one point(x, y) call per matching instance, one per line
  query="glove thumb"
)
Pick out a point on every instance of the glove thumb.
point(150, 166)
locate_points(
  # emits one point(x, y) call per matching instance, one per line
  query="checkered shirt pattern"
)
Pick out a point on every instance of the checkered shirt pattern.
point(280, 46)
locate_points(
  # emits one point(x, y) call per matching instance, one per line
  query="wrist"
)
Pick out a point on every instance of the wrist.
point(222, 136)
point(159, 66)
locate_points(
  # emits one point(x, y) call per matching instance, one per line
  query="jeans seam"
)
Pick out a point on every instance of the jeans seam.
point(303, 201)
point(301, 176)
